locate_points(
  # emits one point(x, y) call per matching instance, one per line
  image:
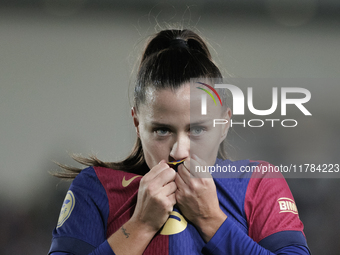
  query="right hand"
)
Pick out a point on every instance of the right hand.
point(156, 197)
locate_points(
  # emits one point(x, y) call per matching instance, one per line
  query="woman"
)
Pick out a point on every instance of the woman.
point(151, 202)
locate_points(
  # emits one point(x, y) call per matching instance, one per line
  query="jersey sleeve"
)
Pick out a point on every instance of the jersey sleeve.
point(82, 223)
point(229, 239)
point(271, 212)
point(274, 226)
point(103, 249)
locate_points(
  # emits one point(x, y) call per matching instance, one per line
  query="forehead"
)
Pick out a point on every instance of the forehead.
point(168, 99)
point(184, 102)
point(166, 106)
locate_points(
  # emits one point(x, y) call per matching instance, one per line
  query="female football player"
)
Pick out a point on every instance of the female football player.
point(160, 200)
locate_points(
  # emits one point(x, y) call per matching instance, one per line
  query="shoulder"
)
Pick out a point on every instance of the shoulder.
point(83, 211)
point(267, 201)
point(106, 181)
point(270, 207)
point(92, 184)
point(88, 187)
point(93, 176)
point(254, 183)
point(86, 175)
point(112, 179)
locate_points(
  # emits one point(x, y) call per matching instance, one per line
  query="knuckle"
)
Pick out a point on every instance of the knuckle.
point(173, 185)
point(150, 189)
point(193, 184)
point(144, 180)
point(170, 172)
point(163, 165)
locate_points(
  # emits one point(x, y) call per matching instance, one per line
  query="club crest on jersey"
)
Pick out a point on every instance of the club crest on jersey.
point(287, 205)
point(67, 208)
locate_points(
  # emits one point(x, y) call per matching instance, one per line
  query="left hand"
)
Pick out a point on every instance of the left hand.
point(197, 198)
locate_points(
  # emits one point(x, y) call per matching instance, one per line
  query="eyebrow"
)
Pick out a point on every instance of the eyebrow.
point(159, 124)
point(197, 123)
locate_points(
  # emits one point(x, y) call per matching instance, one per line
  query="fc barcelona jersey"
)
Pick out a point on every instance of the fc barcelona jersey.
point(262, 217)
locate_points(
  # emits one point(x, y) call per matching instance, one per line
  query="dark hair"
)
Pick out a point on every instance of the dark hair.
point(171, 58)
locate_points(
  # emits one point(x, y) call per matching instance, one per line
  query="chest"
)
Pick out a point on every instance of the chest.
point(178, 236)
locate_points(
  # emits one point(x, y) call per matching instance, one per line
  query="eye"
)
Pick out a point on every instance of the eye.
point(196, 131)
point(162, 132)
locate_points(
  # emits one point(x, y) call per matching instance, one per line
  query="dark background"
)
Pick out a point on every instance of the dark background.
point(66, 69)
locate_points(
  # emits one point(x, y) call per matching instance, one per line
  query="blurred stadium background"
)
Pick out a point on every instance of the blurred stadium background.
point(66, 69)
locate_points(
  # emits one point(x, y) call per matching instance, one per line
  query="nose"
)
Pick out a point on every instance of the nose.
point(181, 147)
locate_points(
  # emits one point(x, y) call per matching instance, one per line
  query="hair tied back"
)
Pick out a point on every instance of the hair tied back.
point(178, 43)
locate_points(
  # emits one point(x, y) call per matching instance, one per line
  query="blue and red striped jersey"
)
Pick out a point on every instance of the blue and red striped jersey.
point(262, 217)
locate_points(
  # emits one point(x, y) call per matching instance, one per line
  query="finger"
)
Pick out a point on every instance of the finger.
point(181, 185)
point(184, 173)
point(165, 176)
point(190, 166)
point(186, 164)
point(157, 169)
point(169, 189)
point(172, 199)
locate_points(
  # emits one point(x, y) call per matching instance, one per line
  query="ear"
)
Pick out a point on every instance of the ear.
point(135, 119)
point(226, 115)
